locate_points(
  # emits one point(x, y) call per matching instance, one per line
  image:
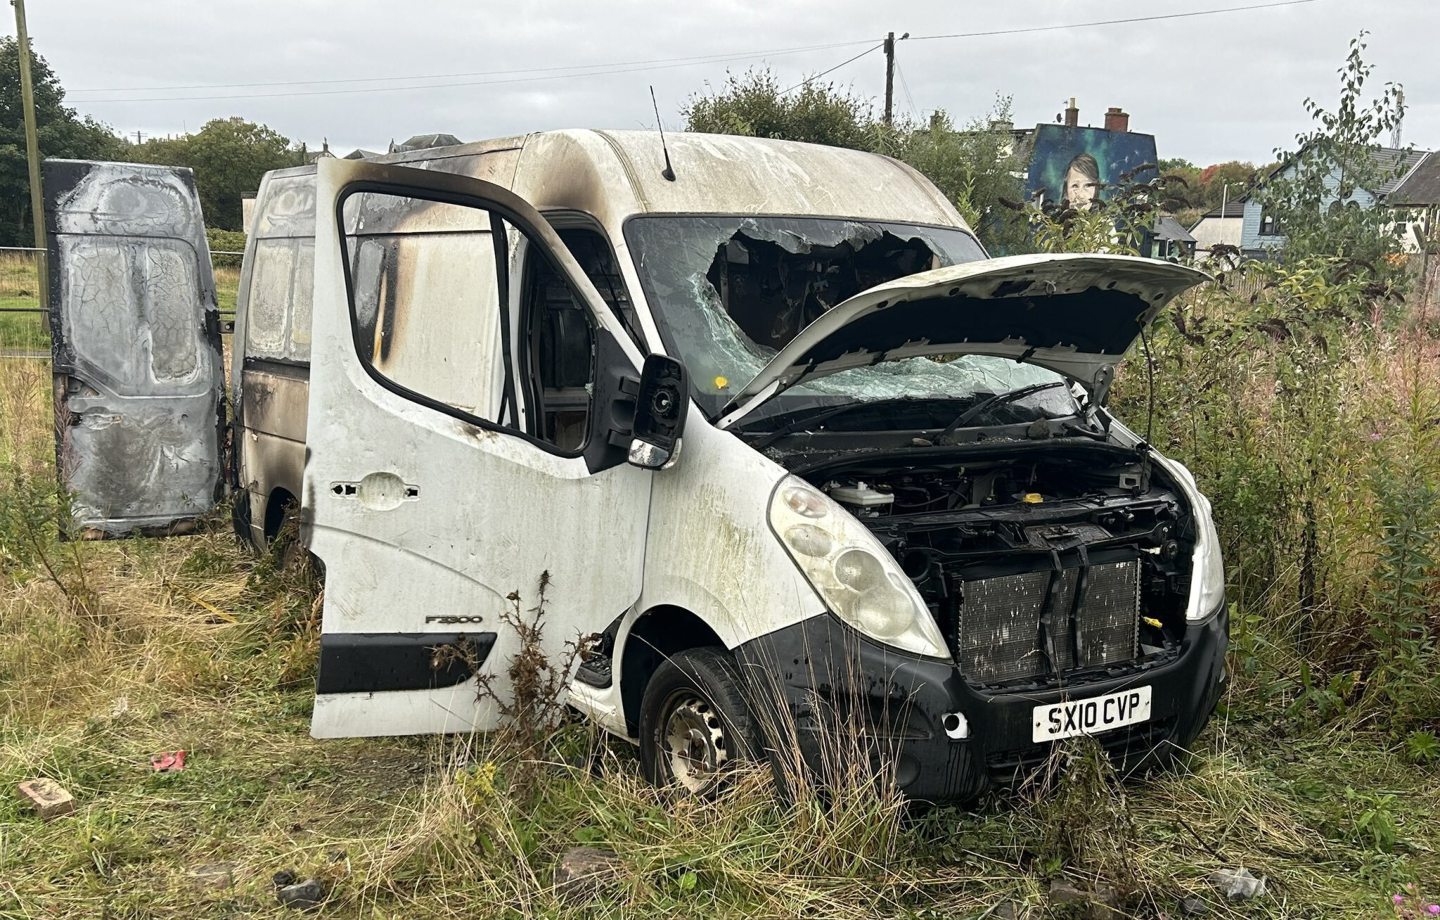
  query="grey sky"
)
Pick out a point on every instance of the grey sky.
point(1210, 88)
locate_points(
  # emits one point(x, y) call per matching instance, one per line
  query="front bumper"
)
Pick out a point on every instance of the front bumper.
point(842, 692)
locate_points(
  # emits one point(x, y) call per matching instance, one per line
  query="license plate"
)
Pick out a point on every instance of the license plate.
point(1091, 716)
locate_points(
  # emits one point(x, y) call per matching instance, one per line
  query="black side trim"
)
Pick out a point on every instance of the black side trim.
point(378, 662)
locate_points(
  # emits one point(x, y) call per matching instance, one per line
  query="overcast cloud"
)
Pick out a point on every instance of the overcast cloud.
point(1210, 88)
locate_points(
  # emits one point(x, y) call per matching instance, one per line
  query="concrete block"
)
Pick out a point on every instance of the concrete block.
point(47, 797)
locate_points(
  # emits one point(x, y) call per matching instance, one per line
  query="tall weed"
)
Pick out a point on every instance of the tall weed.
point(1307, 411)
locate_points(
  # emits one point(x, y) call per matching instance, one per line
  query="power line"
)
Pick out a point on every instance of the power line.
point(1113, 22)
point(705, 58)
point(620, 67)
point(598, 71)
point(833, 69)
point(905, 85)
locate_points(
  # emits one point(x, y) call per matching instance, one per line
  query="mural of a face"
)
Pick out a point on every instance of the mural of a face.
point(1081, 167)
point(1082, 182)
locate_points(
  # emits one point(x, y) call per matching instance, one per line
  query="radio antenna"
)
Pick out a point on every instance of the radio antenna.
point(667, 173)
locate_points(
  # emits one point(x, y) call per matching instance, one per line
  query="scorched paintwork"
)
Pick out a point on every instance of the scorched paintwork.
point(138, 373)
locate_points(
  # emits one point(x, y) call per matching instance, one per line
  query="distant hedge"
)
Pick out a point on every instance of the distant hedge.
point(225, 241)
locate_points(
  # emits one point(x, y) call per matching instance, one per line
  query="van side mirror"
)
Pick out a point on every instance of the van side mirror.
point(660, 409)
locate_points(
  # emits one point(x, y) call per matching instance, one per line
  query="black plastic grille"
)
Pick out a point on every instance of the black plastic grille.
point(1125, 746)
point(999, 627)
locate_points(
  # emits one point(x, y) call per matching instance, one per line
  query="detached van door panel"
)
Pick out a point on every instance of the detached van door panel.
point(139, 379)
point(437, 521)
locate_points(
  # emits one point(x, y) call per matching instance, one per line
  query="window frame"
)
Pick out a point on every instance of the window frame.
point(297, 244)
point(662, 325)
point(569, 219)
point(531, 393)
point(499, 214)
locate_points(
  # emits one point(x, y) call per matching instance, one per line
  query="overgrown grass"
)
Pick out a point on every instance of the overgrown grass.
point(1308, 413)
point(1308, 775)
point(20, 290)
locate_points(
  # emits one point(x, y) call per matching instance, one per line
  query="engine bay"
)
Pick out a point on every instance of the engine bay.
point(1042, 564)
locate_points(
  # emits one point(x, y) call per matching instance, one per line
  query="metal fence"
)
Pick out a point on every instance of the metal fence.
point(20, 272)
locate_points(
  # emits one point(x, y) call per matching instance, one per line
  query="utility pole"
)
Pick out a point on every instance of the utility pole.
point(890, 41)
point(32, 148)
point(889, 79)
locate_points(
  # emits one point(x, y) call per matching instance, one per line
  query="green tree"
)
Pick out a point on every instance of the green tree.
point(1177, 165)
point(1314, 199)
point(228, 155)
point(1209, 188)
point(754, 105)
point(974, 166)
point(977, 167)
point(61, 133)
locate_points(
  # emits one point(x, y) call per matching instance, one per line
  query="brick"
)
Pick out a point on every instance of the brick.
point(47, 797)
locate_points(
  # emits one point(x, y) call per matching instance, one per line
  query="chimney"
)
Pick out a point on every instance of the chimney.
point(1116, 120)
point(1072, 115)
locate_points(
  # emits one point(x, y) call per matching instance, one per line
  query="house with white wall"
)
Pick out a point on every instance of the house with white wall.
point(1219, 227)
point(1416, 203)
point(1261, 234)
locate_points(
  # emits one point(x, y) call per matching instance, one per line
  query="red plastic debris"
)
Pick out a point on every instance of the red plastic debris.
point(168, 762)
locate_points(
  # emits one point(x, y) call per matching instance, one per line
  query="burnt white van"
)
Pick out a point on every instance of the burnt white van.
point(778, 440)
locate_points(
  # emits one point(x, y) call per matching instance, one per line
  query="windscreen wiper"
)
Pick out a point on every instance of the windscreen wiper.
point(807, 420)
point(999, 399)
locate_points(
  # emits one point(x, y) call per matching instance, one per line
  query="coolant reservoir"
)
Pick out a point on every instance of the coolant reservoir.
point(861, 497)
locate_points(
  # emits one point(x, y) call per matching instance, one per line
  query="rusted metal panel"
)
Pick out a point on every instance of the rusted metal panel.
point(271, 446)
point(136, 342)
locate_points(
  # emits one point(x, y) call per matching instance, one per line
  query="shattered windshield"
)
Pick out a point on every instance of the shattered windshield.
point(729, 292)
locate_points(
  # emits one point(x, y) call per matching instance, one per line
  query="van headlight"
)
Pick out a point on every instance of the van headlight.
point(853, 574)
point(1207, 585)
point(1207, 582)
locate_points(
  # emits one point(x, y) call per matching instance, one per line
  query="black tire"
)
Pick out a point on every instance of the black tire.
point(286, 550)
point(695, 700)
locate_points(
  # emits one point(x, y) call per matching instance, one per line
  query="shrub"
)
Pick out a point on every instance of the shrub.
point(225, 247)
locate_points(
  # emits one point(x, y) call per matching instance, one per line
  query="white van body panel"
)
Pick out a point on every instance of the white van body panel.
point(711, 550)
point(418, 515)
point(446, 710)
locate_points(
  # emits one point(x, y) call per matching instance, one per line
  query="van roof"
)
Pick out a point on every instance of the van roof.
point(614, 174)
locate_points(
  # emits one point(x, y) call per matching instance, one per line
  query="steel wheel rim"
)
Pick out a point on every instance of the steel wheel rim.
point(693, 742)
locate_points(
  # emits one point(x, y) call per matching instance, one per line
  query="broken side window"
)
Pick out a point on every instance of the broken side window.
point(731, 291)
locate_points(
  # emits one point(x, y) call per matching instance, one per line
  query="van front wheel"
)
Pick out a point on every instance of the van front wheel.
point(695, 725)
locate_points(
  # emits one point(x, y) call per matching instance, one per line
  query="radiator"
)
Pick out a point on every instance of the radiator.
point(998, 634)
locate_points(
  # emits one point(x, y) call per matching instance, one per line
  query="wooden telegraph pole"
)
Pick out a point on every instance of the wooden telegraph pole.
point(889, 78)
point(32, 148)
point(890, 40)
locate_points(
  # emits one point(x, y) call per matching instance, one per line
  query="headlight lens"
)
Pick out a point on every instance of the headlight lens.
point(804, 501)
point(1207, 590)
point(809, 540)
point(1207, 584)
point(853, 574)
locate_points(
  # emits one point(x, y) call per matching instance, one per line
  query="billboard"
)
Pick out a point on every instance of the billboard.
point(1080, 166)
